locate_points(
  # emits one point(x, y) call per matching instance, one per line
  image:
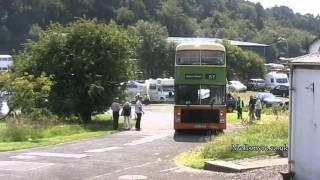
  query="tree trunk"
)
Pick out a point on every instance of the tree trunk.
point(85, 117)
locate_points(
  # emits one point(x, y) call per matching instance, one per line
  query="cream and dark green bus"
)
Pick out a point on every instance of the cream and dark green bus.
point(200, 86)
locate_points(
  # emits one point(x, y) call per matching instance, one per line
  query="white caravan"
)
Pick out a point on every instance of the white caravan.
point(134, 88)
point(161, 89)
point(273, 79)
point(5, 63)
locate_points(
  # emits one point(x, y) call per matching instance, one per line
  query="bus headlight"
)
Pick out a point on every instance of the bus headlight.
point(222, 117)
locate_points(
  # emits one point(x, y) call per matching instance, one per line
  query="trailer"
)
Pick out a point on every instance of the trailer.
point(160, 89)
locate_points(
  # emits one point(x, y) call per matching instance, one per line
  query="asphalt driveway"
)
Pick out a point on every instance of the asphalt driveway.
point(145, 154)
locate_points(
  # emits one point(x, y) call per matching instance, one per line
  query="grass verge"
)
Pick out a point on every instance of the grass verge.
point(61, 133)
point(270, 131)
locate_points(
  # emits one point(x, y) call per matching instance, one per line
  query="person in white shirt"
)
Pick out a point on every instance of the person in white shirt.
point(138, 111)
point(115, 107)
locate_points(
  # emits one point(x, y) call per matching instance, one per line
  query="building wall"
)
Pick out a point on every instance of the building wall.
point(305, 130)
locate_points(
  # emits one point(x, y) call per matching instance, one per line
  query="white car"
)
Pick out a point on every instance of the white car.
point(236, 86)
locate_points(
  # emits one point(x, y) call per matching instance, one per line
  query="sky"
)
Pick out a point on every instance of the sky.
point(300, 6)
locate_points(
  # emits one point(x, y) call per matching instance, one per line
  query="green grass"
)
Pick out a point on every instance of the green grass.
point(232, 118)
point(270, 131)
point(23, 136)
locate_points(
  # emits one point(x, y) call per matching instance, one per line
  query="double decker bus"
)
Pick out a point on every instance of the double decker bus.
point(200, 86)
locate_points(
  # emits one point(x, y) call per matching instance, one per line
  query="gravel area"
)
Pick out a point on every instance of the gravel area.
point(269, 173)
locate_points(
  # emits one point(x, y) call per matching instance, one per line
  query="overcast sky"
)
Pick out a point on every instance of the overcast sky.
point(301, 6)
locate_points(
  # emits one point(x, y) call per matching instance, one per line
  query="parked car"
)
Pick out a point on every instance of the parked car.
point(280, 90)
point(231, 103)
point(268, 99)
point(236, 86)
point(256, 85)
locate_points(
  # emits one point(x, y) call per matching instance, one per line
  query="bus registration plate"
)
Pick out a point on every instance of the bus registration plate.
point(200, 126)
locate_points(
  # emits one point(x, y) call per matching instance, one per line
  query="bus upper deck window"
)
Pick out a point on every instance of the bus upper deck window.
point(212, 57)
point(188, 57)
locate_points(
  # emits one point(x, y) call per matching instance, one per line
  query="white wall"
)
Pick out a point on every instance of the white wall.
point(305, 132)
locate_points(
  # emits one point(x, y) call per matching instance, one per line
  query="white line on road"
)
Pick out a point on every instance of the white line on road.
point(45, 154)
point(143, 165)
point(22, 166)
point(120, 170)
point(103, 150)
point(170, 169)
point(22, 157)
point(145, 140)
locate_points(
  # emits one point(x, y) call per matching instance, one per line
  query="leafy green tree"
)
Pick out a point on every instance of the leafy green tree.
point(261, 15)
point(87, 60)
point(151, 51)
point(125, 16)
point(30, 93)
point(243, 65)
point(173, 17)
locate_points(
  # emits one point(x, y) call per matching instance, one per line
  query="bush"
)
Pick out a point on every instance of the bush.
point(23, 127)
point(20, 132)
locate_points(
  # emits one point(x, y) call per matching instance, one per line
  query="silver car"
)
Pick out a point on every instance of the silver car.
point(256, 85)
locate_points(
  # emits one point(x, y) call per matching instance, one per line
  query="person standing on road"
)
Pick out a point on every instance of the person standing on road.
point(251, 108)
point(239, 106)
point(115, 107)
point(138, 111)
point(127, 115)
point(258, 107)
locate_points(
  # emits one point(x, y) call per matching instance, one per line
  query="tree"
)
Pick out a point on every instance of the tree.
point(30, 93)
point(87, 59)
point(152, 48)
point(173, 17)
point(242, 64)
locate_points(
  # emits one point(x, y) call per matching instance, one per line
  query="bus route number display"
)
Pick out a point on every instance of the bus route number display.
point(211, 76)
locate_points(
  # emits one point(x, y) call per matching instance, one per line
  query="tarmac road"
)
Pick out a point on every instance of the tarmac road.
point(145, 154)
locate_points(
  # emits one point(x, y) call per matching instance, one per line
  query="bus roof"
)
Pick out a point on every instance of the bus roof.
point(200, 46)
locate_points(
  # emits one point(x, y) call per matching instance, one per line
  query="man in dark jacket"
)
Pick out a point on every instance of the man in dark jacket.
point(239, 106)
point(251, 108)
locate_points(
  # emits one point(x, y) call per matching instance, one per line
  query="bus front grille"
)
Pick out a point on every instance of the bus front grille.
point(199, 116)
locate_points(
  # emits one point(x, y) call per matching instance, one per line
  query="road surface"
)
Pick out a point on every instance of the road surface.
point(145, 154)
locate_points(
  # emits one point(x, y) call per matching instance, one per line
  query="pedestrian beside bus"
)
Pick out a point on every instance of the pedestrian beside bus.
point(115, 107)
point(251, 108)
point(138, 111)
point(127, 115)
point(239, 106)
point(258, 107)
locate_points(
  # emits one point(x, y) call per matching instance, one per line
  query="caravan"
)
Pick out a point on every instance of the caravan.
point(5, 63)
point(134, 88)
point(273, 79)
point(161, 89)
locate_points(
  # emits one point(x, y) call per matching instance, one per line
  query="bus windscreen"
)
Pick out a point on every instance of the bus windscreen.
point(200, 94)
